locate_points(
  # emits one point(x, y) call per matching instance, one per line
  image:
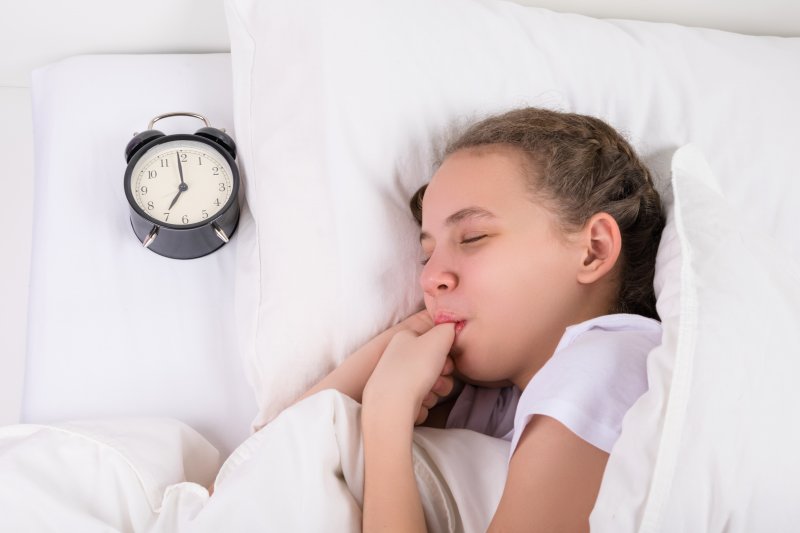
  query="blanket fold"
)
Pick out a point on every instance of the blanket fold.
point(302, 472)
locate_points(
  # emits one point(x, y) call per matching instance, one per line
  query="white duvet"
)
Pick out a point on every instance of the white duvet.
point(303, 472)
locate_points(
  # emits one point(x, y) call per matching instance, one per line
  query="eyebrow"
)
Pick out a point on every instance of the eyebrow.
point(461, 214)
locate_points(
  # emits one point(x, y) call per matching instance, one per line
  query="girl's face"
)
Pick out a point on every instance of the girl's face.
point(497, 266)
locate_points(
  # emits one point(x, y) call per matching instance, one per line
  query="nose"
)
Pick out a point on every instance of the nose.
point(436, 278)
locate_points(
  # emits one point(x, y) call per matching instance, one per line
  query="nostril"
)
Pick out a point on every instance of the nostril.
point(442, 287)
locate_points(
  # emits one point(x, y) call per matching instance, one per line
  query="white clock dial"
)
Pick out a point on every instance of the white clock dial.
point(181, 182)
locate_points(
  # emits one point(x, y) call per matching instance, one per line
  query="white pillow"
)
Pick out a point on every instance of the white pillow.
point(717, 426)
point(341, 107)
point(116, 330)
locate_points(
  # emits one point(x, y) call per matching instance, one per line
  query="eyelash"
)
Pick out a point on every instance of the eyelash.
point(472, 239)
point(463, 241)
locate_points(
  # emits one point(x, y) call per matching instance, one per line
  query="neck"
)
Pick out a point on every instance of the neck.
point(594, 301)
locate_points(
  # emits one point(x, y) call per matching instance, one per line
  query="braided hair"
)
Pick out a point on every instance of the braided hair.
point(579, 166)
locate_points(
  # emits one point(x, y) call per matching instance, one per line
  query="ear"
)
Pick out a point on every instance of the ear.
point(601, 245)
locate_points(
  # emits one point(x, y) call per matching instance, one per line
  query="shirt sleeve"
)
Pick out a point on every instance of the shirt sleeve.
point(590, 384)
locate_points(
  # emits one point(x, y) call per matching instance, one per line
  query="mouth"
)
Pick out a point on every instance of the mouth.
point(444, 318)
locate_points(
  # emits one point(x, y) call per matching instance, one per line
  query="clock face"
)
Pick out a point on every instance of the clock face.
point(181, 182)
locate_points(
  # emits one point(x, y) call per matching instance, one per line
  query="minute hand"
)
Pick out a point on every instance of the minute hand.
point(180, 167)
point(182, 187)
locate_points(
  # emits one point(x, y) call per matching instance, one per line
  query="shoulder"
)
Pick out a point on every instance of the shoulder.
point(553, 480)
point(597, 372)
point(613, 348)
point(633, 332)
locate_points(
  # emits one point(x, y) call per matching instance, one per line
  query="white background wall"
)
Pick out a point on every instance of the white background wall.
point(42, 31)
point(36, 33)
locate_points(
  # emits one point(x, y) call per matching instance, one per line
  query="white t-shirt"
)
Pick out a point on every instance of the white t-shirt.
point(598, 370)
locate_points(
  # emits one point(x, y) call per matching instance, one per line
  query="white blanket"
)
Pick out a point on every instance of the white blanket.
point(302, 472)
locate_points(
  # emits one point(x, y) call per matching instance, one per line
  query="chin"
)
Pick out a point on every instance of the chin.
point(471, 369)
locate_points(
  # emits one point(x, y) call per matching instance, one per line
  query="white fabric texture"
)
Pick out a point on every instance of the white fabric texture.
point(100, 476)
point(303, 472)
point(340, 109)
point(114, 329)
point(712, 445)
point(597, 371)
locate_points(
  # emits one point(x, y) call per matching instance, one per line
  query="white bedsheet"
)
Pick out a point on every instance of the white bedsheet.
point(303, 472)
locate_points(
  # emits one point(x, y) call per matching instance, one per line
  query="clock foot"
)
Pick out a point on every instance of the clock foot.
point(220, 233)
point(150, 237)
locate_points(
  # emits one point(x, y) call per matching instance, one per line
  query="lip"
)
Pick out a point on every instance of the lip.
point(444, 317)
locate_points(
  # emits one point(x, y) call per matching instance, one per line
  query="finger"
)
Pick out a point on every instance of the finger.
point(419, 322)
point(449, 366)
point(440, 337)
point(425, 317)
point(443, 385)
point(430, 400)
point(421, 416)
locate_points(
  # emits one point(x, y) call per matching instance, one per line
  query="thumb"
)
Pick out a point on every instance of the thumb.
point(440, 338)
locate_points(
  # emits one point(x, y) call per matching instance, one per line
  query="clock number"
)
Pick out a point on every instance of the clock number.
point(184, 158)
point(143, 189)
point(205, 213)
point(221, 187)
point(166, 216)
point(215, 170)
point(165, 163)
point(185, 219)
point(216, 202)
point(199, 161)
point(151, 174)
point(150, 206)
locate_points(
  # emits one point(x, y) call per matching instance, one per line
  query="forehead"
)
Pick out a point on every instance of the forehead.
point(490, 178)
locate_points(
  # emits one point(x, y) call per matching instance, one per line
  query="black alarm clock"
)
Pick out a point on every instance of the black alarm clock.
point(182, 189)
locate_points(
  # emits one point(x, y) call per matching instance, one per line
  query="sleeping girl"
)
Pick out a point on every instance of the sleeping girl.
point(539, 232)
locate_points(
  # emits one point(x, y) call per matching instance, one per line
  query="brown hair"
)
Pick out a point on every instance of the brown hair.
point(580, 166)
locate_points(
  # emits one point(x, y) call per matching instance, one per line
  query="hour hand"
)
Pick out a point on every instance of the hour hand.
point(175, 199)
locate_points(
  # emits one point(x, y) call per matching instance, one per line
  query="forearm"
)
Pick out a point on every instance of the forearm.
point(391, 497)
point(352, 375)
point(407, 371)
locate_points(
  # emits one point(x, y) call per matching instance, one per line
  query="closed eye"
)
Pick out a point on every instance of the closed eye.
point(472, 239)
point(469, 240)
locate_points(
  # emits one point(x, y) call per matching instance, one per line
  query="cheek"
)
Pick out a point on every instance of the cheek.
point(428, 301)
point(500, 284)
point(519, 293)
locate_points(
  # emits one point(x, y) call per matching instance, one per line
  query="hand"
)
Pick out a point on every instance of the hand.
point(180, 167)
point(420, 322)
point(182, 187)
point(442, 387)
point(408, 371)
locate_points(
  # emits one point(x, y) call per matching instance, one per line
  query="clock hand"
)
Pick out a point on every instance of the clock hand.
point(182, 187)
point(175, 199)
point(180, 167)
